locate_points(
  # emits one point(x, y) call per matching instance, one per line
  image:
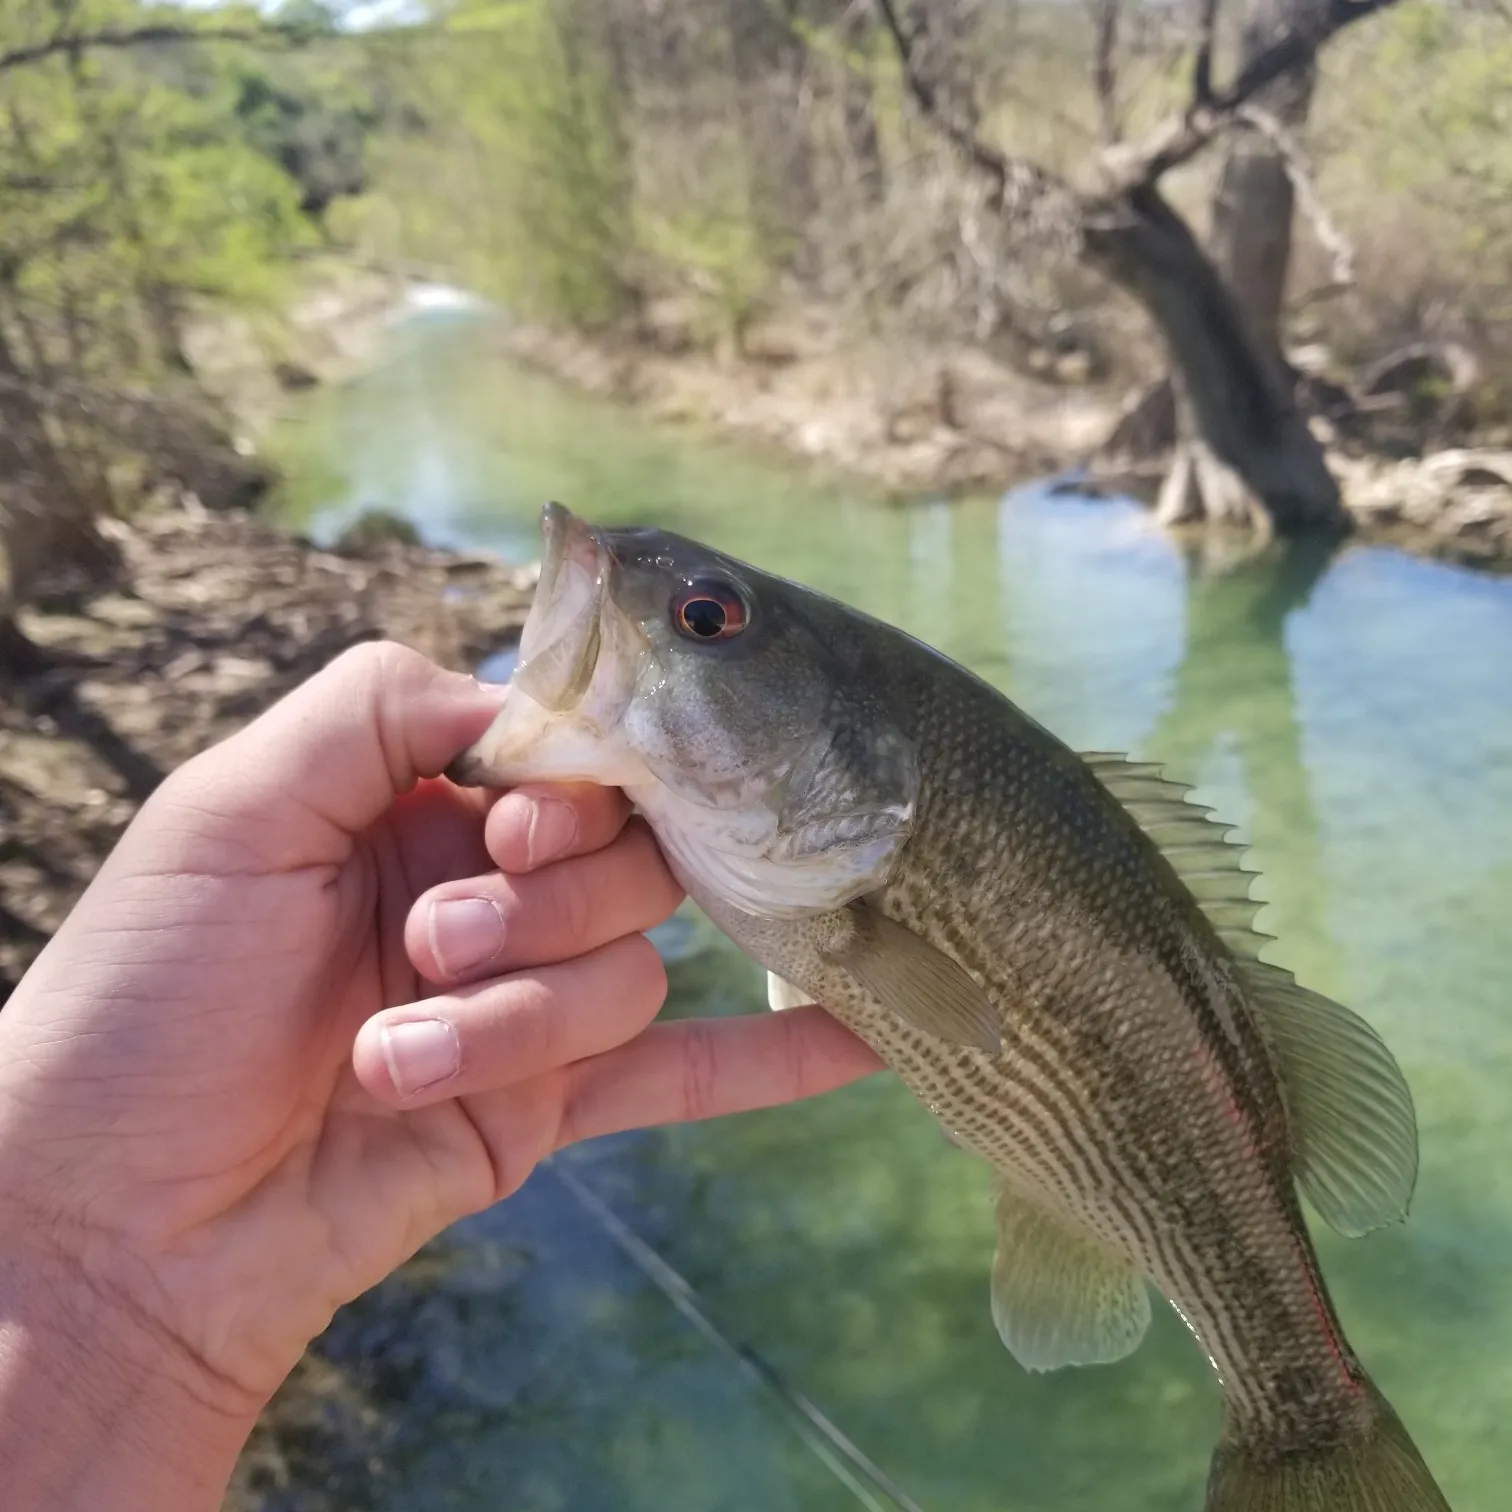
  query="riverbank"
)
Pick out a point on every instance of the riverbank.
point(224, 614)
point(923, 421)
point(927, 422)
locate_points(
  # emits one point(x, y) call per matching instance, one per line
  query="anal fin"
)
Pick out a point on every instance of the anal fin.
point(1059, 1297)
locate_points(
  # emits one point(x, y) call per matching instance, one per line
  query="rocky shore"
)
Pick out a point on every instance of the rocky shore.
point(224, 614)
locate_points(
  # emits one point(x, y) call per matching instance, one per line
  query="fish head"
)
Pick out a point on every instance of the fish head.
point(723, 701)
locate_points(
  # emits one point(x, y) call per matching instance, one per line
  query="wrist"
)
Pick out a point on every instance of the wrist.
point(98, 1409)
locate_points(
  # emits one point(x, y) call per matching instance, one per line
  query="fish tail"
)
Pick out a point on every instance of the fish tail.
point(1378, 1470)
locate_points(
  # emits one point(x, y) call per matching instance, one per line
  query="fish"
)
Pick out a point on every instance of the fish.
point(1055, 951)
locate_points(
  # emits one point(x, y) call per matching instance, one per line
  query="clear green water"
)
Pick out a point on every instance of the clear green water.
point(1355, 719)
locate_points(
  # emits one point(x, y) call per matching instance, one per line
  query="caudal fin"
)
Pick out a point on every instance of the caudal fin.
point(1379, 1472)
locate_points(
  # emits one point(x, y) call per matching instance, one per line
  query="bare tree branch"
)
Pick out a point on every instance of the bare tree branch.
point(1015, 182)
point(142, 36)
point(1177, 142)
point(1202, 66)
point(927, 97)
point(1106, 14)
point(1129, 166)
point(1295, 47)
point(1330, 237)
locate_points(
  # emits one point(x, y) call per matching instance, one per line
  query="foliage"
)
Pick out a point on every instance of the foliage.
point(1416, 154)
point(579, 159)
point(129, 195)
point(517, 183)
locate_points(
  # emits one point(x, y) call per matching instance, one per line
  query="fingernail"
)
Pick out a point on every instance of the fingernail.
point(419, 1055)
point(552, 829)
point(464, 933)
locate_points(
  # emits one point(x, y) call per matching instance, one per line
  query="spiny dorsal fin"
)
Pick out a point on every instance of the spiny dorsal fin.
point(1197, 846)
point(1348, 1104)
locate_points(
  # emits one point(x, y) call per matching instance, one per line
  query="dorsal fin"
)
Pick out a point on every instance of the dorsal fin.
point(1350, 1108)
point(1197, 846)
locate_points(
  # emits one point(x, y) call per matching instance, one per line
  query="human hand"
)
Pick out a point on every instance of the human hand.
point(228, 1101)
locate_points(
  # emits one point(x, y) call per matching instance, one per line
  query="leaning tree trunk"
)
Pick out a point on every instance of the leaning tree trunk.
point(1244, 451)
point(1249, 455)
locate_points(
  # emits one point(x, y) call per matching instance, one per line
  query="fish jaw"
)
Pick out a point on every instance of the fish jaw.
point(561, 644)
point(528, 742)
point(563, 717)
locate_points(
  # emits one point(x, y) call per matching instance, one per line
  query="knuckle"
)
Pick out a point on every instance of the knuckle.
point(700, 1070)
point(797, 1063)
point(655, 882)
point(570, 903)
point(644, 973)
point(533, 1026)
point(381, 660)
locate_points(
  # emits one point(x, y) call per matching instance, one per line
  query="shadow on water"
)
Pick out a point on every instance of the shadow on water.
point(1350, 715)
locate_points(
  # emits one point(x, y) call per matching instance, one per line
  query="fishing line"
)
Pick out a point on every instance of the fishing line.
point(842, 1457)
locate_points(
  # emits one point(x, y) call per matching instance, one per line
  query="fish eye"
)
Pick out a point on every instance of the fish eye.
point(709, 611)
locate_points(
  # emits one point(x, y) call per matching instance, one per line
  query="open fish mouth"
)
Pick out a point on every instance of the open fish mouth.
point(553, 725)
point(559, 646)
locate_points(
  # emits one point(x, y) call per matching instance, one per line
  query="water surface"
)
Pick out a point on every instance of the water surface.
point(1353, 717)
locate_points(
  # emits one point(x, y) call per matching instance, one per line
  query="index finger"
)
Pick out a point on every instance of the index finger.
point(687, 1069)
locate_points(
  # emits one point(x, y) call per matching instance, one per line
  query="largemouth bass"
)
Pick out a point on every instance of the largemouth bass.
point(1054, 951)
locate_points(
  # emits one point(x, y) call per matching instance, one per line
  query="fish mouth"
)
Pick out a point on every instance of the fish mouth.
point(559, 646)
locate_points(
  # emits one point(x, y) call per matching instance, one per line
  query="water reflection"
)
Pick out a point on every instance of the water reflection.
point(1351, 717)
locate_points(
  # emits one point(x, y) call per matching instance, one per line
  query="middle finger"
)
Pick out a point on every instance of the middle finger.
point(481, 926)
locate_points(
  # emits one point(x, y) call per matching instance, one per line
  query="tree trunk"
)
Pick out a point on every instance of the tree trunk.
point(1250, 246)
point(1238, 412)
point(1251, 239)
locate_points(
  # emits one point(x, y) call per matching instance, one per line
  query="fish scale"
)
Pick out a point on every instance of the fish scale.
point(1055, 953)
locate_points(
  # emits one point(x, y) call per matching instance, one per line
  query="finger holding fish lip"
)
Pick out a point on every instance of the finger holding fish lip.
point(511, 1029)
point(481, 926)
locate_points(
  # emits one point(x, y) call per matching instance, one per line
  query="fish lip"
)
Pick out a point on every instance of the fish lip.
point(566, 537)
point(559, 645)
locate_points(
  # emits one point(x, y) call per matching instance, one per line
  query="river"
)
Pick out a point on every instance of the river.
point(1354, 717)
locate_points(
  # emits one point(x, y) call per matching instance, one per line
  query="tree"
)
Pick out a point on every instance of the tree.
point(1248, 452)
point(125, 195)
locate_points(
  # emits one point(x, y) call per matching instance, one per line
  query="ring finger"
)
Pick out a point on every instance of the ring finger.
point(503, 1032)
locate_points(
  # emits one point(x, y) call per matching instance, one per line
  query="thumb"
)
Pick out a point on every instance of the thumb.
point(342, 746)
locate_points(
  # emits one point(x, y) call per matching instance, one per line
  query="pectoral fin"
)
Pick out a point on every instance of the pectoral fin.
point(922, 985)
point(1058, 1296)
